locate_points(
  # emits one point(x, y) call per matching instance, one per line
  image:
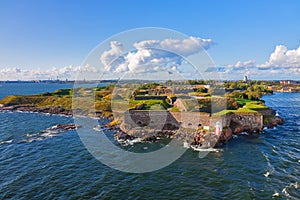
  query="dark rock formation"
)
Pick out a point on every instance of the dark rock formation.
point(49, 110)
point(271, 121)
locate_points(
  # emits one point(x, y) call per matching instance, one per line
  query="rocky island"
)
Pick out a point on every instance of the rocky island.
point(198, 113)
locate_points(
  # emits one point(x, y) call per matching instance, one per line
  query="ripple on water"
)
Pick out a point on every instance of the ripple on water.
point(261, 167)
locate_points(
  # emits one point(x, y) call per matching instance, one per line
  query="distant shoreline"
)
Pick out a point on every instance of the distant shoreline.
point(60, 81)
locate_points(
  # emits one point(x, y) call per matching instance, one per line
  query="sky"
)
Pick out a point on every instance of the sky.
point(39, 39)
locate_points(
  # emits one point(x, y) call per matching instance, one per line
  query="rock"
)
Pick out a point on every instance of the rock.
point(227, 132)
point(279, 120)
point(271, 122)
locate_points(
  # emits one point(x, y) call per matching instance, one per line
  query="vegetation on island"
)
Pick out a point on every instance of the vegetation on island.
point(196, 96)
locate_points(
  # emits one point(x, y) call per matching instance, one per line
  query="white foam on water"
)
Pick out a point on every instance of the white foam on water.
point(132, 142)
point(267, 174)
point(205, 149)
point(276, 194)
point(290, 186)
point(186, 145)
point(129, 141)
point(6, 142)
point(270, 169)
point(41, 135)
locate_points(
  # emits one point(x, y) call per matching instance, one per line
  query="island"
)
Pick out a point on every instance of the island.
point(199, 113)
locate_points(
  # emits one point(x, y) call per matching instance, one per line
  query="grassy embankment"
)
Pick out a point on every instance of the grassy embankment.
point(102, 100)
point(244, 98)
point(248, 107)
point(62, 97)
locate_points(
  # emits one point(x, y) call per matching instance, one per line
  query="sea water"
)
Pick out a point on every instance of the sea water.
point(33, 165)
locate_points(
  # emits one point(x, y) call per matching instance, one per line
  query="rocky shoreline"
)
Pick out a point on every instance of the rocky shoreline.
point(235, 124)
point(49, 110)
point(201, 138)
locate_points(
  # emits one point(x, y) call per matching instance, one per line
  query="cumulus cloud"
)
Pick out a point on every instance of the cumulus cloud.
point(152, 55)
point(282, 62)
point(243, 65)
point(283, 58)
point(68, 72)
point(185, 47)
point(116, 49)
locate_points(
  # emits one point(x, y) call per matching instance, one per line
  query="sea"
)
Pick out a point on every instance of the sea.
point(35, 165)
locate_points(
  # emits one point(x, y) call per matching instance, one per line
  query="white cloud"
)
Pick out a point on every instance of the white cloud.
point(149, 56)
point(283, 58)
point(281, 63)
point(185, 47)
point(243, 65)
point(116, 49)
point(152, 55)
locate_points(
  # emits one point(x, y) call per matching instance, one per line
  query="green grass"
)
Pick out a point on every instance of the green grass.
point(245, 110)
point(60, 92)
point(245, 101)
point(175, 109)
point(156, 107)
point(199, 94)
point(255, 106)
point(239, 111)
point(224, 112)
point(191, 104)
point(39, 101)
point(21, 100)
point(150, 104)
point(65, 102)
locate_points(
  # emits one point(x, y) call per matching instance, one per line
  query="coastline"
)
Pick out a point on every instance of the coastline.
point(202, 138)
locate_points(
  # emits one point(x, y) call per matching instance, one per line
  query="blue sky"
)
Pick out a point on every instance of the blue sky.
point(39, 35)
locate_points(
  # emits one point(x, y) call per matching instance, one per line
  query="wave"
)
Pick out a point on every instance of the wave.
point(50, 132)
point(270, 169)
point(267, 174)
point(276, 194)
point(287, 190)
point(129, 141)
point(6, 142)
point(205, 149)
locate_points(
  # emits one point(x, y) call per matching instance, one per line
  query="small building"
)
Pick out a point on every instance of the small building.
point(287, 82)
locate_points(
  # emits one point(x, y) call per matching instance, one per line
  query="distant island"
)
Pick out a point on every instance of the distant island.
point(199, 113)
point(60, 81)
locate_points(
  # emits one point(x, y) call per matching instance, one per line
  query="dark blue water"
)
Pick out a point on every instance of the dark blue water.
point(36, 88)
point(33, 165)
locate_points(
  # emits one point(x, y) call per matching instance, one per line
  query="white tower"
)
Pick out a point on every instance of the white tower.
point(245, 79)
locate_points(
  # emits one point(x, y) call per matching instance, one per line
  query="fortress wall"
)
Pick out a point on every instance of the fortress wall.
point(153, 119)
point(251, 121)
point(267, 111)
point(159, 120)
point(192, 119)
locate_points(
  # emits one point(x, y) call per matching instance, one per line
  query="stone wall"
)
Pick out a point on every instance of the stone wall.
point(245, 122)
point(162, 120)
point(152, 119)
point(267, 111)
point(192, 119)
point(179, 104)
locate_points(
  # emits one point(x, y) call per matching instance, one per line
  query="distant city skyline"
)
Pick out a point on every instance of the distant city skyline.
point(50, 39)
